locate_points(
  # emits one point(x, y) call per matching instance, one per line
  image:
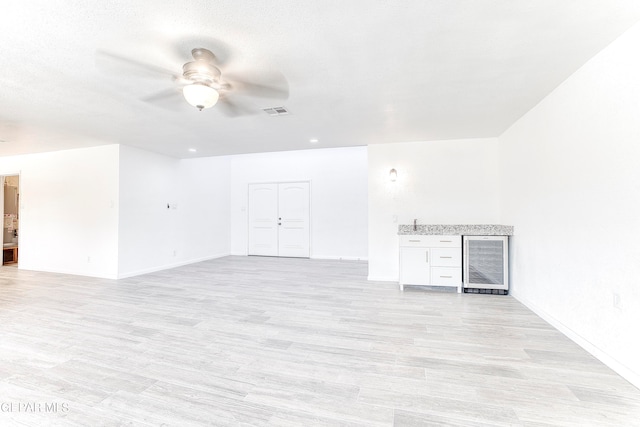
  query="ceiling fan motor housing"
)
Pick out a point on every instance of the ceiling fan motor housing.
point(201, 70)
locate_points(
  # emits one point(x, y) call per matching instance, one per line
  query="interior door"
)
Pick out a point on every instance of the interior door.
point(279, 219)
point(263, 219)
point(293, 219)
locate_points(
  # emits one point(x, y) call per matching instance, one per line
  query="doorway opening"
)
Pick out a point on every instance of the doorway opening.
point(11, 219)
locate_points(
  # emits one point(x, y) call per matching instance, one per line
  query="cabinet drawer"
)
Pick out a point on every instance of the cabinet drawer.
point(431, 241)
point(414, 241)
point(446, 257)
point(446, 241)
point(446, 276)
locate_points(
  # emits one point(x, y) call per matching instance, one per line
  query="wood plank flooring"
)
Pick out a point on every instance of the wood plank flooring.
point(250, 341)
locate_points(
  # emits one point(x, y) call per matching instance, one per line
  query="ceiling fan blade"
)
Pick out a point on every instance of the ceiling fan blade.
point(168, 99)
point(174, 93)
point(123, 65)
point(275, 87)
point(233, 108)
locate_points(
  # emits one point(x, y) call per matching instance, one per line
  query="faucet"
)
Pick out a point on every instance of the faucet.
point(415, 224)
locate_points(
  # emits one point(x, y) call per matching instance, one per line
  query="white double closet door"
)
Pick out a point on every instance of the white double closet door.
point(279, 219)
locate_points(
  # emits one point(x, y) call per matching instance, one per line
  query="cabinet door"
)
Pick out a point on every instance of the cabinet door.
point(414, 266)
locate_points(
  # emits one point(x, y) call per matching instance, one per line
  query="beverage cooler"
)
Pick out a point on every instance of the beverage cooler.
point(486, 265)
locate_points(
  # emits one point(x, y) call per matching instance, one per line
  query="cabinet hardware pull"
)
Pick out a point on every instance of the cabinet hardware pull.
point(445, 241)
point(427, 254)
point(446, 257)
point(446, 277)
point(414, 240)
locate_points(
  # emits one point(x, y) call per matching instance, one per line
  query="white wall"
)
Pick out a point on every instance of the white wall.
point(193, 228)
point(69, 210)
point(204, 208)
point(148, 230)
point(338, 196)
point(571, 187)
point(439, 182)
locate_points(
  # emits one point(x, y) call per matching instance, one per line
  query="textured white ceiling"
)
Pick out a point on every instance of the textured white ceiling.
point(359, 71)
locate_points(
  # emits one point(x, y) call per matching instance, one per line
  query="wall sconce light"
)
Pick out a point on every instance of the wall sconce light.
point(393, 175)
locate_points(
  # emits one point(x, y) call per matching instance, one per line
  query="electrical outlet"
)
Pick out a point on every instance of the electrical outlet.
point(617, 303)
point(88, 259)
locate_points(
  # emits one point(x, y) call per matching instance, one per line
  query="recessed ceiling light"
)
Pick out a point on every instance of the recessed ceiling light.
point(313, 140)
point(193, 150)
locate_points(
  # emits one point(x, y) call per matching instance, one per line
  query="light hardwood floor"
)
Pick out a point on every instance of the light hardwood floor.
point(249, 341)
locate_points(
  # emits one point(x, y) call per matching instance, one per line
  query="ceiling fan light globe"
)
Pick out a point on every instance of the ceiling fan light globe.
point(200, 96)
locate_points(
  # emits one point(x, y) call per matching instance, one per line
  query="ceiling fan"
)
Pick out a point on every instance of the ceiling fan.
point(202, 80)
point(202, 83)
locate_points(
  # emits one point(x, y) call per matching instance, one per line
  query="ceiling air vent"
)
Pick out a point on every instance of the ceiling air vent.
point(276, 111)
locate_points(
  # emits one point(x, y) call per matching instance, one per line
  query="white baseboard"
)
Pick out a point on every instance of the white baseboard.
point(169, 266)
point(70, 272)
point(621, 369)
point(329, 257)
point(339, 258)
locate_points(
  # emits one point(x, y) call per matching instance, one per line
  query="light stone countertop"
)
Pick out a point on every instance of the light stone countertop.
point(457, 229)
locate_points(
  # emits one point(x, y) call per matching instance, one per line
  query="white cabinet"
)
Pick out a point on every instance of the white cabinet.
point(431, 261)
